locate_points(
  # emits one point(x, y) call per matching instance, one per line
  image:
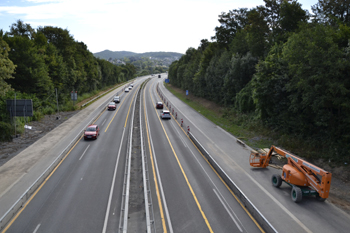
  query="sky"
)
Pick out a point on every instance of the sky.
point(128, 25)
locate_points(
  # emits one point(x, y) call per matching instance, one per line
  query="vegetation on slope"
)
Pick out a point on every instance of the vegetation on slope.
point(282, 68)
point(36, 62)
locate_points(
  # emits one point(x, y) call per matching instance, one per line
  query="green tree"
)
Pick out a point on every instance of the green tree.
point(332, 11)
point(230, 24)
point(7, 68)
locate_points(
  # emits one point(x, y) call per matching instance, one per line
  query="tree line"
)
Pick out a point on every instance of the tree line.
point(286, 67)
point(35, 62)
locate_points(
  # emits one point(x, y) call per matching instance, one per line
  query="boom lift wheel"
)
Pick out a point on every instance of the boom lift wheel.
point(276, 180)
point(296, 194)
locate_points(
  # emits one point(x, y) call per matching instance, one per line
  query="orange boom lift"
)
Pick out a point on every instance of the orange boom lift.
point(305, 178)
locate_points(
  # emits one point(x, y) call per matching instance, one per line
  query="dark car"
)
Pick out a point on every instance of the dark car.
point(112, 106)
point(159, 105)
point(91, 132)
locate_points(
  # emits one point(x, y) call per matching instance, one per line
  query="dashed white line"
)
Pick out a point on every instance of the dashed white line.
point(84, 152)
point(227, 210)
point(37, 227)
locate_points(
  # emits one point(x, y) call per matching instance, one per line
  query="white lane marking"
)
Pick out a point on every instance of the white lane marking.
point(84, 152)
point(37, 227)
point(252, 179)
point(158, 175)
point(176, 128)
point(216, 188)
point(104, 122)
point(228, 211)
point(112, 186)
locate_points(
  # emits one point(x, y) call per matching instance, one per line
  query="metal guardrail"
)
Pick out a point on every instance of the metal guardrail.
point(27, 194)
point(259, 217)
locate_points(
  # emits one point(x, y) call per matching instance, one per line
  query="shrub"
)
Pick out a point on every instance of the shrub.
point(6, 130)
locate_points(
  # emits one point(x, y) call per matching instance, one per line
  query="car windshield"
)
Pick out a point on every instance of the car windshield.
point(91, 129)
point(111, 103)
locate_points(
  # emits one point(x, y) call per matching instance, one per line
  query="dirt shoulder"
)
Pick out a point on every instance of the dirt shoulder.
point(38, 129)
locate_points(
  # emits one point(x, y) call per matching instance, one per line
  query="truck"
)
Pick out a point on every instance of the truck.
point(303, 177)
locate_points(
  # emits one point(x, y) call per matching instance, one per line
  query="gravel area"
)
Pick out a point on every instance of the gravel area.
point(39, 128)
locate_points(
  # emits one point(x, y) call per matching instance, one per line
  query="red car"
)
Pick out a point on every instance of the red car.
point(91, 132)
point(112, 106)
point(159, 105)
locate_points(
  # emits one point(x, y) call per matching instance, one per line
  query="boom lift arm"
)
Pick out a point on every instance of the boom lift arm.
point(304, 178)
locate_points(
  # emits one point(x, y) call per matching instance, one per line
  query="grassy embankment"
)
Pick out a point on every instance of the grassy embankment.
point(249, 129)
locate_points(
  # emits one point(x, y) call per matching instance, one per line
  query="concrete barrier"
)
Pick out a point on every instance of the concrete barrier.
point(264, 224)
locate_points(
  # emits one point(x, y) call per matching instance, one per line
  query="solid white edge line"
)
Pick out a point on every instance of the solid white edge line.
point(217, 190)
point(112, 186)
point(299, 222)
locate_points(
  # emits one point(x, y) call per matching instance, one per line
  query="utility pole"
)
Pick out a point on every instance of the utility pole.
point(58, 111)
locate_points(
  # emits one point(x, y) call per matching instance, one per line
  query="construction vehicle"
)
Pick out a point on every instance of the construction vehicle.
point(305, 178)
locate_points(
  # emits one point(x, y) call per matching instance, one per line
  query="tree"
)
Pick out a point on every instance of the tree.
point(31, 68)
point(7, 68)
point(21, 29)
point(230, 22)
point(332, 11)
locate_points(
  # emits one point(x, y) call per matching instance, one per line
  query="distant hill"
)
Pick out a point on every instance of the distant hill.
point(107, 54)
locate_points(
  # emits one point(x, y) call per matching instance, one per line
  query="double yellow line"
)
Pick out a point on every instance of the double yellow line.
point(183, 173)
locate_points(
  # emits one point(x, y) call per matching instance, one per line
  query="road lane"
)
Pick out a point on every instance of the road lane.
point(74, 199)
point(276, 204)
point(187, 207)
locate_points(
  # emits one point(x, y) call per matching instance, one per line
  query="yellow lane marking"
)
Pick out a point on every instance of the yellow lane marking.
point(183, 172)
point(47, 178)
point(153, 168)
point(38, 189)
point(229, 189)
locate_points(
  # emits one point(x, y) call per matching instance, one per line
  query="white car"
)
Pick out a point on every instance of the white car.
point(165, 114)
point(127, 89)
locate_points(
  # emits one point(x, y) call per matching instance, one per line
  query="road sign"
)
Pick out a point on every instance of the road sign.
point(74, 95)
point(21, 108)
point(186, 92)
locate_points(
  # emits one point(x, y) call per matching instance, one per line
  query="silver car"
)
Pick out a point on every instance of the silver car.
point(116, 99)
point(165, 114)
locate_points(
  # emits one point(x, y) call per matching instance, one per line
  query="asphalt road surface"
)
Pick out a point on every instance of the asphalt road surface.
point(86, 192)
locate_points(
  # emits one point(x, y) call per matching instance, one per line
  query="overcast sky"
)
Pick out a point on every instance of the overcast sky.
point(128, 25)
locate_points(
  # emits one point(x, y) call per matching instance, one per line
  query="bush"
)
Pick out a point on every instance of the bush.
point(6, 130)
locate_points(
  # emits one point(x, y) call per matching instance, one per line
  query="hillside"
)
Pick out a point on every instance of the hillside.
point(107, 54)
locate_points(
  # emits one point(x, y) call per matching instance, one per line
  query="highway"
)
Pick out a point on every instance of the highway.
point(102, 185)
point(86, 191)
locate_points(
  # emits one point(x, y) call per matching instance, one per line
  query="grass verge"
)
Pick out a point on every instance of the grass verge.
point(243, 126)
